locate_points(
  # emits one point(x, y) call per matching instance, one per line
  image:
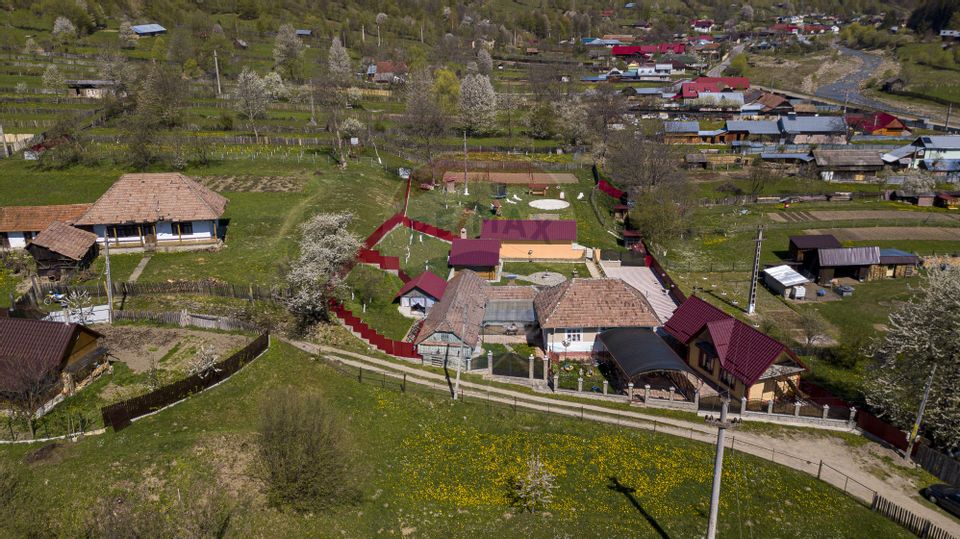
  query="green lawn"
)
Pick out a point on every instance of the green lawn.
point(426, 463)
point(568, 270)
point(378, 287)
point(424, 251)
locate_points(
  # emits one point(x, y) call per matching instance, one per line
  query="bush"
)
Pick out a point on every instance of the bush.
point(306, 454)
point(225, 122)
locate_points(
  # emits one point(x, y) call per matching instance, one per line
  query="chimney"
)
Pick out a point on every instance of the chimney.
point(463, 233)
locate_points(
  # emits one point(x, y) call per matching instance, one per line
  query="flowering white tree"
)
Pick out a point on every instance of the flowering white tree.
point(128, 38)
point(251, 97)
point(534, 489)
point(274, 86)
point(287, 52)
point(63, 30)
point(326, 247)
point(478, 104)
point(204, 362)
point(922, 336)
point(53, 79)
point(338, 62)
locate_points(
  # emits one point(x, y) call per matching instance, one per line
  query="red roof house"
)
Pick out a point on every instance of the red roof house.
point(731, 356)
point(480, 255)
point(528, 230)
point(648, 50)
point(421, 292)
point(876, 123)
point(692, 89)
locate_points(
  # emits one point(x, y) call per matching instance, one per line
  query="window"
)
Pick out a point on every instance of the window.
point(574, 335)
point(727, 378)
point(706, 362)
point(124, 231)
point(185, 228)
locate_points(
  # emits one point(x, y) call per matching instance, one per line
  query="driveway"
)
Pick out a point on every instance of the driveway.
point(643, 279)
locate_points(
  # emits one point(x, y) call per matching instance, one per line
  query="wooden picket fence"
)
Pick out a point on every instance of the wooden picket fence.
point(938, 464)
point(184, 319)
point(919, 526)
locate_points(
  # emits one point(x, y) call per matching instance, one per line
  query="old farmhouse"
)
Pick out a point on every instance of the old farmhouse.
point(20, 224)
point(61, 248)
point(451, 330)
point(156, 211)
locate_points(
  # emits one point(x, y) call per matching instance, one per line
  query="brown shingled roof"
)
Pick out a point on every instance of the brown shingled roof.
point(584, 303)
point(460, 311)
point(148, 198)
point(66, 240)
point(37, 218)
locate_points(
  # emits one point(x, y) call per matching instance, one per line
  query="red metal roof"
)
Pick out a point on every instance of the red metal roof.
point(871, 122)
point(659, 48)
point(691, 90)
point(33, 347)
point(428, 283)
point(529, 230)
point(742, 350)
point(483, 253)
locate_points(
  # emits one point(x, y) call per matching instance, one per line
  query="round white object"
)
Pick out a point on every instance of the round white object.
point(549, 204)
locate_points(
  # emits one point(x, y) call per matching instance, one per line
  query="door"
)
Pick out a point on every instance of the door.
point(150, 234)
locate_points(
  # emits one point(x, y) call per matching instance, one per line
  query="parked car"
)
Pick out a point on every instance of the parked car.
point(946, 496)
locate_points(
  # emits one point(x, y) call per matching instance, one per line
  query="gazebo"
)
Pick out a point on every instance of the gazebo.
point(640, 356)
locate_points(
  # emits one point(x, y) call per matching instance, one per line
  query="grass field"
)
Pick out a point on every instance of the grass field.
point(425, 252)
point(427, 463)
point(377, 288)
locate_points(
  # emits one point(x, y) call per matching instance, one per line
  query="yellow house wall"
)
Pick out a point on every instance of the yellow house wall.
point(561, 251)
point(765, 390)
point(85, 343)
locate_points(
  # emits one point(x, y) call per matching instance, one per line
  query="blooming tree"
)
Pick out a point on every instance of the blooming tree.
point(478, 104)
point(251, 97)
point(338, 62)
point(922, 336)
point(63, 30)
point(326, 247)
point(288, 52)
point(534, 489)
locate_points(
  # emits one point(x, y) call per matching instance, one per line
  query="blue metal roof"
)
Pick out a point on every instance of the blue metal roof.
point(304, 32)
point(754, 127)
point(813, 124)
point(681, 127)
point(152, 28)
point(942, 165)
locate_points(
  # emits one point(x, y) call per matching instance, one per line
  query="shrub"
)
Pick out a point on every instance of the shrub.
point(306, 454)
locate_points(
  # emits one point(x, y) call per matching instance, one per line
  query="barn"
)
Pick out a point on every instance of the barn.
point(61, 248)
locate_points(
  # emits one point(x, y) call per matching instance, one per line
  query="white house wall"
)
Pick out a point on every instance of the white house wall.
point(202, 230)
point(16, 240)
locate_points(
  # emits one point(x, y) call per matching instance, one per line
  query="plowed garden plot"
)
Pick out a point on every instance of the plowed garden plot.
point(857, 215)
point(880, 233)
point(513, 178)
point(254, 184)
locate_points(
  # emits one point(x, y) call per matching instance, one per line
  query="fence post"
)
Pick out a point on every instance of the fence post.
point(853, 412)
point(605, 384)
point(770, 406)
point(826, 410)
point(546, 367)
point(796, 409)
point(490, 362)
point(580, 384)
point(820, 469)
point(743, 405)
point(530, 362)
point(403, 386)
point(360, 375)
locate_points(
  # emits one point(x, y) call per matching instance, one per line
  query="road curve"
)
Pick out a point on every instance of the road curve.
point(849, 88)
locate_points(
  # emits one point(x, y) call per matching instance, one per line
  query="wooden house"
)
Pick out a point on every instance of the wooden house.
point(480, 256)
point(849, 165)
point(61, 248)
point(849, 262)
point(422, 292)
point(575, 312)
point(732, 358)
point(451, 331)
point(44, 354)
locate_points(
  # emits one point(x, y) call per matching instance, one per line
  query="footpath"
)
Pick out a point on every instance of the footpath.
point(827, 457)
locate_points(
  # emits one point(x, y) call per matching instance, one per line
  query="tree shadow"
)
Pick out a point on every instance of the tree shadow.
point(617, 486)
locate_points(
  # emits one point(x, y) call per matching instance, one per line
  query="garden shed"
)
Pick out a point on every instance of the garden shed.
point(421, 292)
point(851, 262)
point(785, 281)
point(61, 248)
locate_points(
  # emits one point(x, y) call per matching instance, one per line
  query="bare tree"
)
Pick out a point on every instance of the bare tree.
point(326, 248)
point(204, 362)
point(638, 161)
point(27, 383)
point(79, 307)
point(250, 98)
point(534, 489)
point(922, 335)
point(812, 327)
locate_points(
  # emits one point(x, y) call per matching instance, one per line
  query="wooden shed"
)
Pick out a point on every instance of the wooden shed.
point(61, 248)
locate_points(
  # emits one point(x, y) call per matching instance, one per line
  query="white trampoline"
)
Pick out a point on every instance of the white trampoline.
point(550, 204)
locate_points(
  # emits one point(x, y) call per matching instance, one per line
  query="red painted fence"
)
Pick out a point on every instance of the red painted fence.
point(609, 189)
point(383, 230)
point(429, 230)
point(384, 344)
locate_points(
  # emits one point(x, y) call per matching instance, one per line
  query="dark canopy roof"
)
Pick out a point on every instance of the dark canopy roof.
point(639, 351)
point(816, 241)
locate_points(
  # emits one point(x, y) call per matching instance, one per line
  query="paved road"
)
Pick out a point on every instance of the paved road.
point(848, 88)
point(717, 70)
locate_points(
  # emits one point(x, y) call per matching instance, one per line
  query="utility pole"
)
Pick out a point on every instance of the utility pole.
point(466, 187)
point(914, 433)
point(946, 125)
point(106, 252)
point(3, 138)
point(313, 112)
point(722, 425)
point(755, 276)
point(216, 68)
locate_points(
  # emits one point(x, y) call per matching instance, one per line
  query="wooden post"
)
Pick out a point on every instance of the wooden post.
point(3, 138)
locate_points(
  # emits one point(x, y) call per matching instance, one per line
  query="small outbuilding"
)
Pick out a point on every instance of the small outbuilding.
point(148, 30)
point(896, 264)
point(785, 281)
point(848, 165)
point(421, 292)
point(93, 89)
point(802, 246)
point(851, 262)
point(640, 356)
point(61, 248)
point(482, 256)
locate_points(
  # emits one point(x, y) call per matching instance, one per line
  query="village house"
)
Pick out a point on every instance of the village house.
point(877, 123)
point(420, 294)
point(703, 26)
point(732, 358)
point(813, 129)
point(948, 200)
point(61, 248)
point(53, 356)
point(452, 329)
point(937, 154)
point(166, 211)
point(574, 313)
point(848, 165)
point(753, 130)
point(93, 89)
point(534, 239)
point(20, 224)
point(784, 281)
point(388, 72)
point(481, 256)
